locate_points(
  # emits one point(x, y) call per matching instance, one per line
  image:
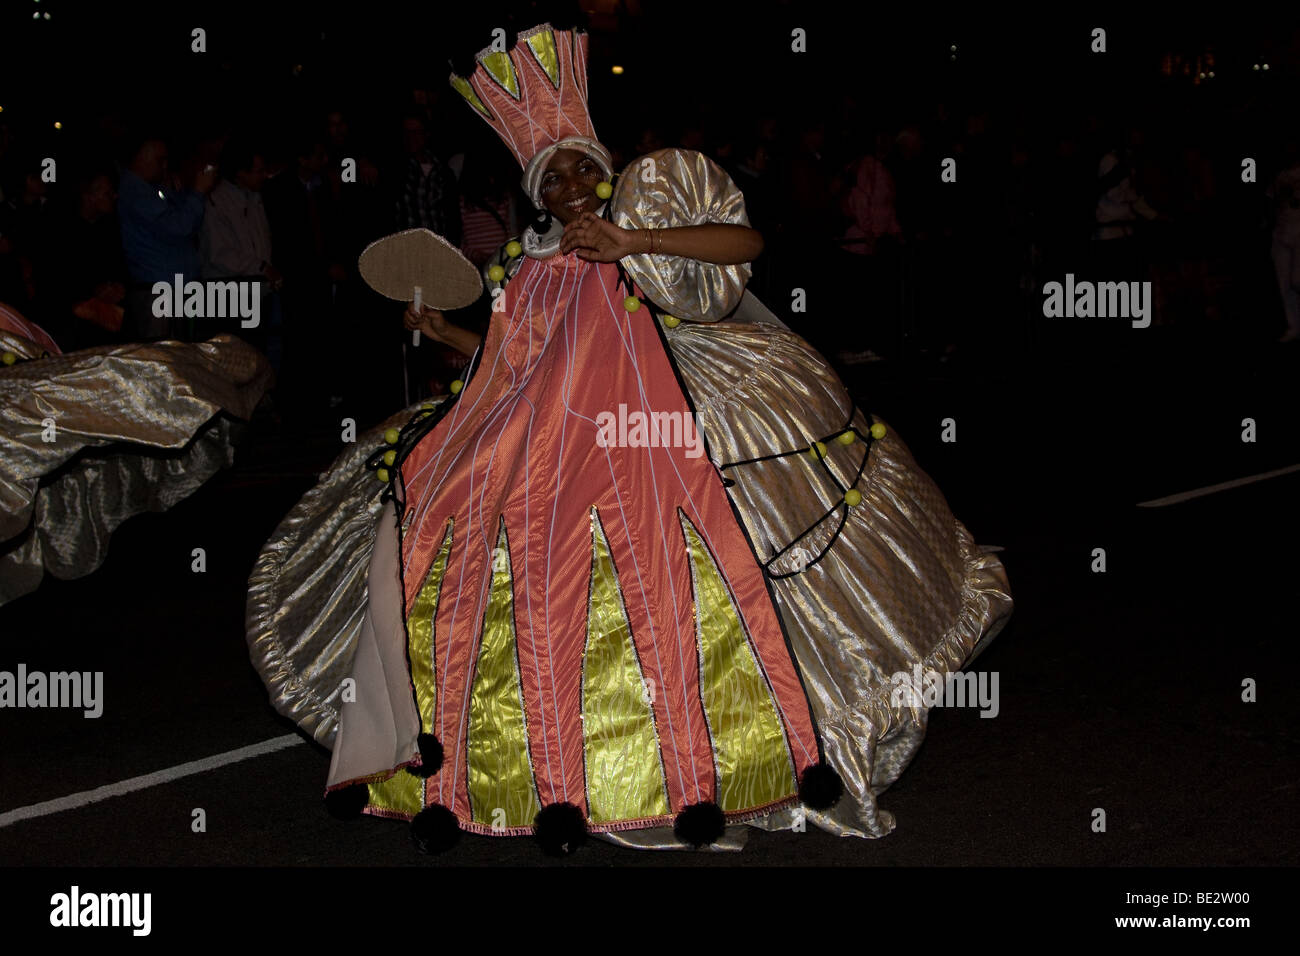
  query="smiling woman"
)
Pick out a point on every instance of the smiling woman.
point(573, 629)
point(569, 184)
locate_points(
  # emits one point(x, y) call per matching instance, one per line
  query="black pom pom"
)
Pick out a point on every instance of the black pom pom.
point(560, 828)
point(435, 829)
point(820, 787)
point(700, 823)
point(346, 803)
point(430, 756)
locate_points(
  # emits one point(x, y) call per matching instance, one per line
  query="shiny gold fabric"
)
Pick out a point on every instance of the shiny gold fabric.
point(542, 44)
point(624, 768)
point(502, 788)
point(132, 428)
point(753, 758)
point(464, 89)
point(401, 795)
point(503, 71)
point(307, 590)
point(422, 647)
point(686, 189)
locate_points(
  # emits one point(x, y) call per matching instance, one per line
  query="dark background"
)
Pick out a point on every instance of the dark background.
point(1120, 690)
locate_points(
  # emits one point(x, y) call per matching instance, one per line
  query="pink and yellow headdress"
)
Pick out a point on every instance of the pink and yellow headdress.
point(535, 97)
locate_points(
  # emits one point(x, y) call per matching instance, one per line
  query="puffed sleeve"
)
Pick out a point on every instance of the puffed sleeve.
point(681, 187)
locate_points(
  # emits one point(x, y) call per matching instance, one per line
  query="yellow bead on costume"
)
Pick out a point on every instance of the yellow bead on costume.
point(877, 430)
point(456, 386)
point(496, 273)
point(390, 457)
point(9, 358)
point(672, 321)
point(513, 249)
point(631, 303)
point(391, 436)
point(846, 438)
point(853, 497)
point(604, 190)
point(817, 449)
point(382, 474)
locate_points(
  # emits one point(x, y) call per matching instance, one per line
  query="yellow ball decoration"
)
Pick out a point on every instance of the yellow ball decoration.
point(391, 436)
point(846, 438)
point(672, 321)
point(631, 303)
point(456, 386)
point(382, 475)
point(9, 358)
point(853, 497)
point(513, 249)
point(817, 449)
point(427, 406)
point(496, 273)
point(877, 430)
point(604, 190)
point(390, 457)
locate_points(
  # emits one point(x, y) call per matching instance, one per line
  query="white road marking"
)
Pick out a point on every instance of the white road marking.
point(1214, 489)
point(86, 797)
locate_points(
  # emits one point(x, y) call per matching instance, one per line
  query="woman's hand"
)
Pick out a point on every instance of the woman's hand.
point(598, 240)
point(595, 239)
point(435, 325)
point(429, 321)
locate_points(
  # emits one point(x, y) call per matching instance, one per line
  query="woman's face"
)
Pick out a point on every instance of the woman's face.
point(569, 185)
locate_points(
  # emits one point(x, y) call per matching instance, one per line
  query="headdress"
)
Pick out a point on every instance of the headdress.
point(535, 98)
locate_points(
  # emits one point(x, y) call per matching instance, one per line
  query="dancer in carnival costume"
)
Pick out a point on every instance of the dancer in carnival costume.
point(563, 615)
point(93, 437)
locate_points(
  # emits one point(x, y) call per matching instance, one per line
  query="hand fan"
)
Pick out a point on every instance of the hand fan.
point(418, 265)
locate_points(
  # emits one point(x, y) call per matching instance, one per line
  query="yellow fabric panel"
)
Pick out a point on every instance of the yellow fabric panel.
point(420, 637)
point(625, 775)
point(749, 745)
point(462, 86)
point(543, 47)
point(500, 67)
point(402, 792)
point(502, 789)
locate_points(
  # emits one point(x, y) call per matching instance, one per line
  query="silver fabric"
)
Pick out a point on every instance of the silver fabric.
point(751, 311)
point(681, 188)
point(307, 595)
point(134, 428)
point(733, 840)
point(21, 346)
point(903, 584)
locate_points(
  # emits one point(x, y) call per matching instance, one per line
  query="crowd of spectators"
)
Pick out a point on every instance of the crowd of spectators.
point(918, 235)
